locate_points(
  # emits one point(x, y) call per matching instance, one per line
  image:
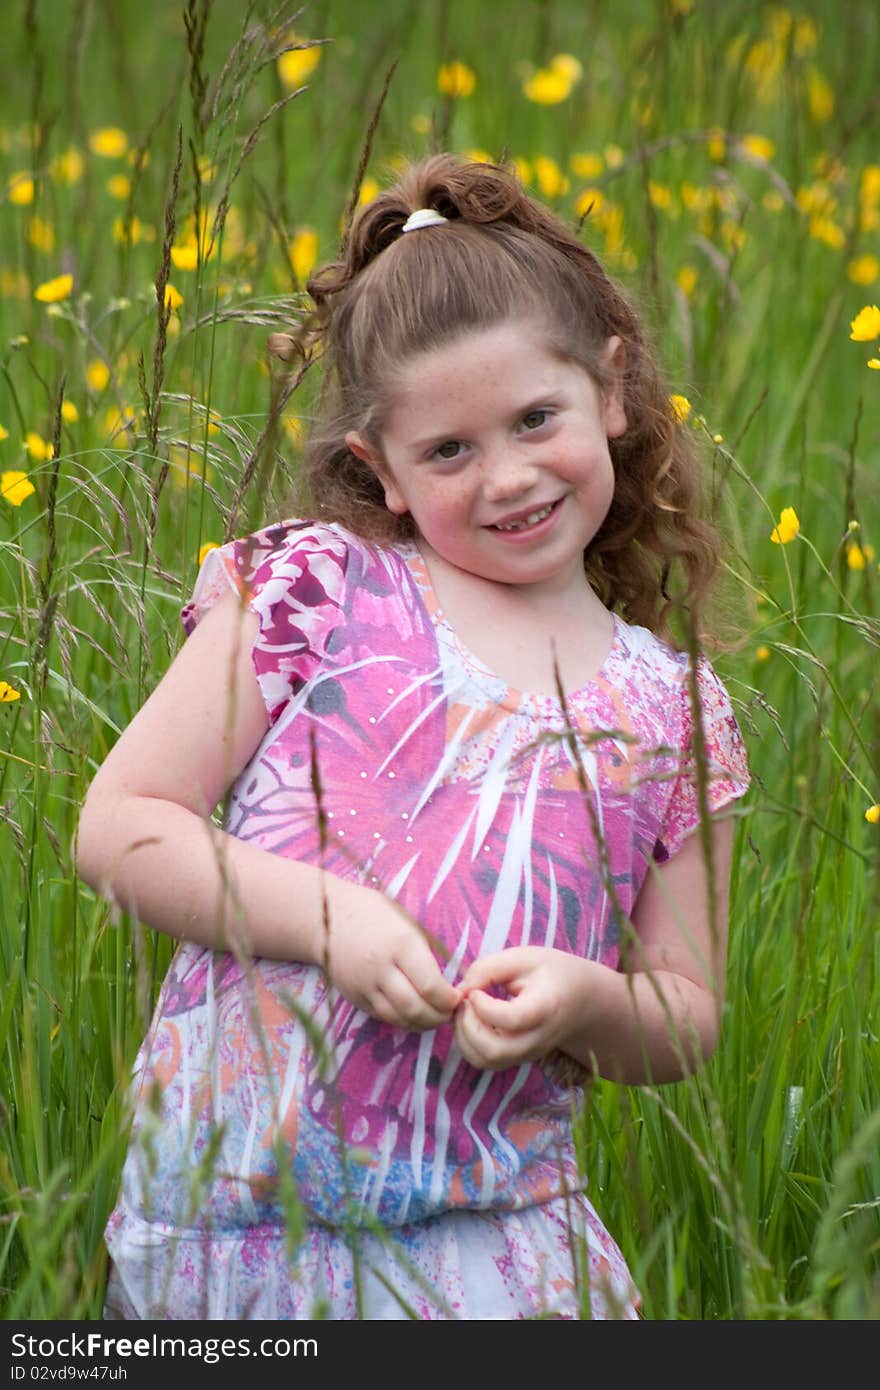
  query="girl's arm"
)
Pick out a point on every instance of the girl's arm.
point(146, 840)
point(654, 1019)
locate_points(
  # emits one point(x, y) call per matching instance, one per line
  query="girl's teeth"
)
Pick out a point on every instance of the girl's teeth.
point(531, 520)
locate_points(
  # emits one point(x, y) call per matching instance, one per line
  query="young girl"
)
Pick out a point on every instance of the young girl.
point(472, 852)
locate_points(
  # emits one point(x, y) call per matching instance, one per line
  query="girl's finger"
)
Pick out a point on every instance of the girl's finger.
point(501, 968)
point(508, 1015)
point(411, 1009)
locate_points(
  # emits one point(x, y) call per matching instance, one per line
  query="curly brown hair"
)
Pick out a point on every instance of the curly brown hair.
point(501, 256)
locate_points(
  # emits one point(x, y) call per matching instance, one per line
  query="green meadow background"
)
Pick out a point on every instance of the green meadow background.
point(725, 159)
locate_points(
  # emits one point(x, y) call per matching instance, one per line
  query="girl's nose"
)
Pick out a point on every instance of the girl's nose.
point(505, 475)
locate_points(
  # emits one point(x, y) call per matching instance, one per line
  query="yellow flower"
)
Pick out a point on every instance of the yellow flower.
point(119, 186)
point(304, 253)
point(21, 188)
point(368, 190)
point(587, 166)
point(51, 291)
point(68, 167)
point(805, 37)
point(42, 235)
point(108, 142)
point(39, 448)
point(205, 550)
point(717, 145)
point(8, 693)
point(866, 324)
point(864, 270)
point(298, 63)
point(824, 229)
point(758, 145)
point(185, 257)
point(120, 425)
point(681, 407)
point(762, 653)
point(15, 487)
point(130, 231)
point(820, 97)
point(173, 297)
point(69, 412)
point(551, 180)
point(718, 439)
point(687, 279)
point(660, 196)
point(589, 203)
point(786, 528)
point(4, 433)
point(548, 87)
point(456, 79)
point(872, 815)
point(874, 364)
point(855, 557)
point(614, 156)
point(569, 65)
point(97, 374)
point(294, 428)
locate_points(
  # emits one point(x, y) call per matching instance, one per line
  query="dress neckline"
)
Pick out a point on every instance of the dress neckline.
point(512, 697)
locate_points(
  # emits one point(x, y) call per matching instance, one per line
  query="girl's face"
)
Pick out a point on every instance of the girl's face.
point(498, 449)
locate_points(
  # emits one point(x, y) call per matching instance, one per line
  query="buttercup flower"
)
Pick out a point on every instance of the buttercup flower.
point(109, 142)
point(548, 87)
point(758, 145)
point(185, 257)
point(67, 167)
point(21, 188)
point(173, 297)
point(681, 407)
point(39, 448)
point(298, 63)
point(786, 528)
point(8, 693)
point(51, 291)
point(456, 80)
point(119, 186)
point(97, 374)
point(304, 253)
point(855, 556)
point(866, 324)
point(69, 412)
point(205, 550)
point(872, 815)
point(15, 487)
point(4, 433)
point(864, 270)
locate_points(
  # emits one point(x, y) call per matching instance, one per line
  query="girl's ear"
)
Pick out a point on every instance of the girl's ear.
point(614, 363)
point(361, 449)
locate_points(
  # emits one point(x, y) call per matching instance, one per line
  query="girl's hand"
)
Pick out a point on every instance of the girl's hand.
point(547, 1000)
point(379, 959)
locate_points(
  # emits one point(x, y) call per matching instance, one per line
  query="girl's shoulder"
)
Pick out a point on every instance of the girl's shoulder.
point(310, 563)
point(670, 697)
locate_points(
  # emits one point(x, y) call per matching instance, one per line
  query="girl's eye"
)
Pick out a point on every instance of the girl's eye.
point(450, 450)
point(535, 419)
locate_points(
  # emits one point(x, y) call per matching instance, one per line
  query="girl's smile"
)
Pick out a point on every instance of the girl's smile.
point(498, 449)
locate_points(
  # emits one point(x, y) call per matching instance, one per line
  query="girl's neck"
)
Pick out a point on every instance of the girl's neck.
point(528, 636)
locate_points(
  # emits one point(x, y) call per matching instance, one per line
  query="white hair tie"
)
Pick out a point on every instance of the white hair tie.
point(423, 217)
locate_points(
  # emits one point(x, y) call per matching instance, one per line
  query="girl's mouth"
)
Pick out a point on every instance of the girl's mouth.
point(528, 523)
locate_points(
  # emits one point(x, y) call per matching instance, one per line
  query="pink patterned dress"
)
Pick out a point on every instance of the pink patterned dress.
point(293, 1157)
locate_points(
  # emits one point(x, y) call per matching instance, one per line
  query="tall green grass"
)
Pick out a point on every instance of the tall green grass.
point(751, 1191)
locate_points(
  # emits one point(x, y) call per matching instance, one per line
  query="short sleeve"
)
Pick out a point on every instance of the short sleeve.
point(293, 577)
point(727, 772)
